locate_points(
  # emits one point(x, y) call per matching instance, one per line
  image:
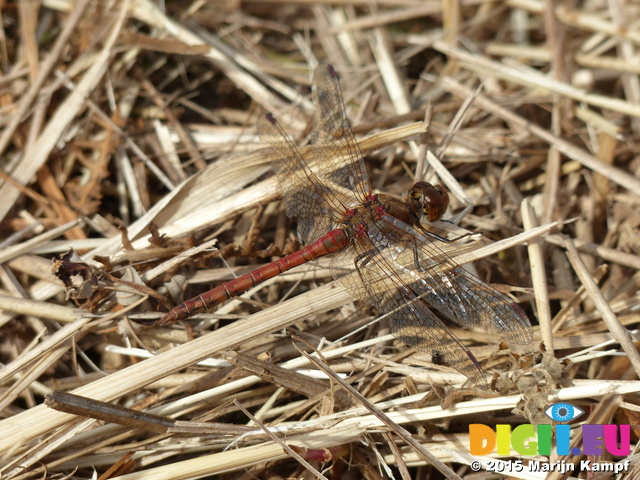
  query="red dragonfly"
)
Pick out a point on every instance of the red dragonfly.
point(400, 269)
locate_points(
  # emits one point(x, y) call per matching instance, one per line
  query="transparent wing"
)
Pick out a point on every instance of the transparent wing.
point(390, 289)
point(335, 148)
point(319, 192)
point(406, 275)
point(473, 304)
point(450, 289)
point(305, 196)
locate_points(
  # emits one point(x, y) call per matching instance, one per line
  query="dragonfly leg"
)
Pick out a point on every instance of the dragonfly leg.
point(440, 238)
point(416, 259)
point(363, 257)
point(426, 232)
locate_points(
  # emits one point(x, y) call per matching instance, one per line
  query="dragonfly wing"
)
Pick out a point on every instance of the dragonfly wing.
point(481, 305)
point(336, 151)
point(384, 282)
point(454, 292)
point(305, 197)
point(336, 178)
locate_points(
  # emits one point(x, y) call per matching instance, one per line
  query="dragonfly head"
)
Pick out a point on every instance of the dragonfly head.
point(429, 200)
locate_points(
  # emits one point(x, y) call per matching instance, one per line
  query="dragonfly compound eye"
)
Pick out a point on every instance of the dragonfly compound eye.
point(432, 200)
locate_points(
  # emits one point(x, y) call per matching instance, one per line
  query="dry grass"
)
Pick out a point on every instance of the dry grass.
point(128, 134)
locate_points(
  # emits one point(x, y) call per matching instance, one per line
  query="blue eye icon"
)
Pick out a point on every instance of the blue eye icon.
point(563, 412)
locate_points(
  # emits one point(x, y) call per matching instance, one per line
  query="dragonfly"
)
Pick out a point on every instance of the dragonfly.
point(400, 266)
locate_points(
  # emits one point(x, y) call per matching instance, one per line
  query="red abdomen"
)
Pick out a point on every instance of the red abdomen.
point(332, 242)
